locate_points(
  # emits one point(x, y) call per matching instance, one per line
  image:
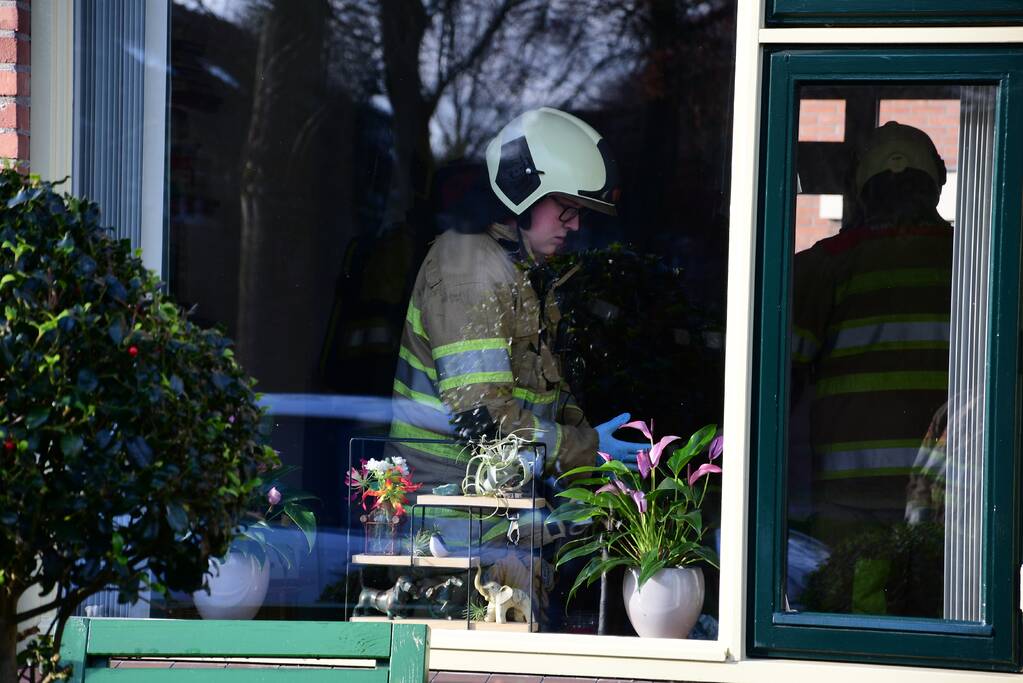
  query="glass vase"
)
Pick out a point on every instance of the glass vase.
point(382, 527)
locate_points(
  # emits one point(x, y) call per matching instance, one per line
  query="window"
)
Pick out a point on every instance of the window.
point(872, 12)
point(318, 150)
point(887, 411)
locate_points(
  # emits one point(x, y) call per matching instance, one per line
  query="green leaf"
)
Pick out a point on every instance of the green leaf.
point(305, 520)
point(177, 517)
point(697, 442)
point(650, 566)
point(37, 417)
point(71, 444)
point(591, 547)
point(581, 495)
point(7, 278)
point(572, 512)
point(497, 531)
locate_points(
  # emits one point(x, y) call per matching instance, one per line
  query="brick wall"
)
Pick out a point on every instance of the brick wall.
point(15, 72)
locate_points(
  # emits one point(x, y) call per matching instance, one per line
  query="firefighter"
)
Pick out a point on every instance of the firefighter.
point(477, 351)
point(871, 334)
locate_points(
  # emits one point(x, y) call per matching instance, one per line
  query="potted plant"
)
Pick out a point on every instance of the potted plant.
point(382, 487)
point(130, 438)
point(237, 582)
point(650, 522)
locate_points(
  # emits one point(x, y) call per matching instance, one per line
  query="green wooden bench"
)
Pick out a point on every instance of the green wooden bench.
point(400, 650)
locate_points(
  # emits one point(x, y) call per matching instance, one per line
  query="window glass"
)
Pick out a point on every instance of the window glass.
point(889, 338)
point(332, 207)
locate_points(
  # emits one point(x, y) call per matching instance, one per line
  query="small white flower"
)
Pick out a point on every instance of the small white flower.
point(399, 462)
point(373, 465)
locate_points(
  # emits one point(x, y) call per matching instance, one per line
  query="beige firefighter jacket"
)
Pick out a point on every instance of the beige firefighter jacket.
point(475, 337)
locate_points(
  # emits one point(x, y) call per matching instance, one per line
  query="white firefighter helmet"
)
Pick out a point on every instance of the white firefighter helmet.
point(545, 151)
point(896, 147)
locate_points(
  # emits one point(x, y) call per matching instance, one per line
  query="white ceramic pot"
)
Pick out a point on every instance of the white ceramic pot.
point(667, 605)
point(237, 588)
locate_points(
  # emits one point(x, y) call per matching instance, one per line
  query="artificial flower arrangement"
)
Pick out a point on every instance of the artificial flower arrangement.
point(273, 505)
point(648, 519)
point(386, 482)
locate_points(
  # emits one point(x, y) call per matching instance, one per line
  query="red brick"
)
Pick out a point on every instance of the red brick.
point(13, 18)
point(13, 146)
point(15, 50)
point(13, 115)
point(14, 84)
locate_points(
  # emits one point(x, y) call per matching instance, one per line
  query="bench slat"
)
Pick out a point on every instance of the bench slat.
point(408, 641)
point(211, 638)
point(289, 675)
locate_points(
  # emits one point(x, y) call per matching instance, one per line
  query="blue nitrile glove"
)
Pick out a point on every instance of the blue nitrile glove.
point(622, 451)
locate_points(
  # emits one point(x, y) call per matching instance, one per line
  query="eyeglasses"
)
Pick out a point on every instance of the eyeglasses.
point(568, 211)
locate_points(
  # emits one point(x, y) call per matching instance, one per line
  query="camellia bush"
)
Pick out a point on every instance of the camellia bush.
point(129, 437)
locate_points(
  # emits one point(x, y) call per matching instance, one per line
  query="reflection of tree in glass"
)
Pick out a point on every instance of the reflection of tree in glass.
point(633, 337)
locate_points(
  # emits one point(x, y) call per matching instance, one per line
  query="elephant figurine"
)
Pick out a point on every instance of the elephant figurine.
point(391, 602)
point(504, 603)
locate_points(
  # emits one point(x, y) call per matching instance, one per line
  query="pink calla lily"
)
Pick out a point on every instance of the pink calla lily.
point(658, 449)
point(607, 457)
point(621, 486)
point(644, 464)
point(705, 468)
point(641, 426)
point(607, 488)
point(715, 447)
point(273, 496)
point(640, 498)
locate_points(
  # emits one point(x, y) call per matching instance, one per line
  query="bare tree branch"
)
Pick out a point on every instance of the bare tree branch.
point(473, 54)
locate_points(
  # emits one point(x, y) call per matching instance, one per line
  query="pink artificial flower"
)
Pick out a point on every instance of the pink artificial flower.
point(273, 496)
point(716, 446)
point(705, 468)
point(622, 487)
point(641, 426)
point(606, 456)
point(606, 488)
point(658, 449)
point(643, 462)
point(640, 498)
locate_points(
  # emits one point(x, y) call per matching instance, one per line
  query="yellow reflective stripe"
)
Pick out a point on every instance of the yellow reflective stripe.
point(532, 397)
point(411, 359)
point(414, 317)
point(894, 318)
point(882, 381)
point(839, 446)
point(864, 473)
point(418, 397)
point(469, 345)
point(403, 430)
point(885, 279)
point(476, 378)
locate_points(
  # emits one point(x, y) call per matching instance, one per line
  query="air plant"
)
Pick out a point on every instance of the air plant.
point(499, 467)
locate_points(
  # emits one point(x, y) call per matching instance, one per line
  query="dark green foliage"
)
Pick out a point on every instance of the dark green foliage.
point(632, 335)
point(896, 571)
point(129, 437)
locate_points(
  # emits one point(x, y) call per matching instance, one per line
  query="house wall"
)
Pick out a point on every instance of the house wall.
point(15, 76)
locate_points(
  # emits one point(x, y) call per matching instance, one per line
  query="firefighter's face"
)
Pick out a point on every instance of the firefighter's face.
point(553, 217)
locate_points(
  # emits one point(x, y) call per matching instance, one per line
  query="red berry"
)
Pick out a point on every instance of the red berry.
point(133, 351)
point(9, 445)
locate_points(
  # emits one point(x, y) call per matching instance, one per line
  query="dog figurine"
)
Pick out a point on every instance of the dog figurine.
point(391, 602)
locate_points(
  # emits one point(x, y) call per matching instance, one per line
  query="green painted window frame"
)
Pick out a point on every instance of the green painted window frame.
point(877, 12)
point(993, 645)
